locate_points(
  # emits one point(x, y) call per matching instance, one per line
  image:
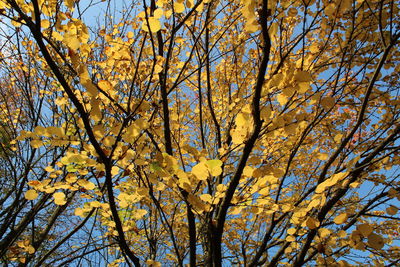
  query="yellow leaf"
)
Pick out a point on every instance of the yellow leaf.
point(282, 99)
point(340, 219)
point(291, 231)
point(36, 143)
point(105, 85)
point(214, 166)
point(179, 7)
point(248, 171)
point(153, 23)
point(330, 182)
point(45, 23)
point(321, 187)
point(354, 184)
point(55, 131)
point(16, 23)
point(200, 171)
point(273, 30)
point(197, 204)
point(303, 87)
point(95, 204)
point(30, 249)
point(72, 42)
point(139, 213)
point(57, 36)
point(236, 210)
point(59, 198)
point(31, 194)
point(206, 198)
point(190, 3)
point(131, 133)
point(86, 184)
point(324, 232)
point(157, 69)
point(338, 138)
point(221, 188)
point(290, 238)
point(79, 212)
point(3, 4)
point(49, 169)
point(276, 80)
point(130, 35)
point(345, 5)
point(339, 176)
point(87, 82)
point(264, 191)
point(69, 3)
point(158, 13)
point(123, 204)
point(252, 26)
point(34, 183)
point(152, 263)
point(314, 48)
point(168, 14)
point(114, 171)
point(323, 156)
point(288, 91)
point(40, 130)
point(241, 119)
point(288, 250)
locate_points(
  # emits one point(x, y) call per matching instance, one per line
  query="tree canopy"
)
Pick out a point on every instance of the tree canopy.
point(199, 133)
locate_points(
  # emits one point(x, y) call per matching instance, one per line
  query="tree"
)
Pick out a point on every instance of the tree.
point(208, 133)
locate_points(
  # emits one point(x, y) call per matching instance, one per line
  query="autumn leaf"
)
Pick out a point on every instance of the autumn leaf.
point(214, 167)
point(302, 76)
point(69, 3)
point(312, 223)
point(340, 219)
point(375, 241)
point(36, 143)
point(72, 42)
point(200, 171)
point(31, 194)
point(199, 132)
point(179, 7)
point(365, 229)
point(153, 23)
point(59, 198)
point(392, 210)
point(86, 184)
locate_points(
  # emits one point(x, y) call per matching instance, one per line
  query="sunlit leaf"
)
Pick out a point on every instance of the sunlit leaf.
point(59, 198)
point(340, 219)
point(179, 7)
point(214, 166)
point(31, 194)
point(86, 184)
point(200, 171)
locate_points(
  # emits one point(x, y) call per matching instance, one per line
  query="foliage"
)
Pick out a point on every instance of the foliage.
point(204, 132)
